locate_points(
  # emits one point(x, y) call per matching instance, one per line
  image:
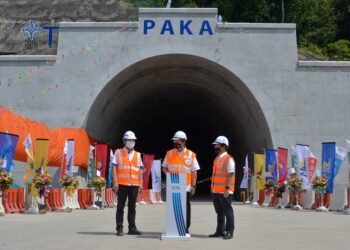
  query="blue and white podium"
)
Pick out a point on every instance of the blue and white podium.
point(176, 207)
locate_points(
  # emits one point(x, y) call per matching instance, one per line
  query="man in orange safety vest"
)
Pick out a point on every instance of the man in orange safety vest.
point(222, 188)
point(182, 160)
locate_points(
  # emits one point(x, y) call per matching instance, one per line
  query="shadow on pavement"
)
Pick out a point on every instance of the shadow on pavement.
point(96, 233)
point(150, 235)
point(200, 236)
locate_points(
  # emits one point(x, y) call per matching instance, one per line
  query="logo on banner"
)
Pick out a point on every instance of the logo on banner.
point(31, 29)
point(100, 165)
point(69, 165)
point(259, 175)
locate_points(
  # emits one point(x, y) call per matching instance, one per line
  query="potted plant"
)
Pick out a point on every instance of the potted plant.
point(98, 183)
point(6, 180)
point(41, 182)
point(70, 184)
point(269, 186)
point(319, 184)
point(280, 188)
point(295, 184)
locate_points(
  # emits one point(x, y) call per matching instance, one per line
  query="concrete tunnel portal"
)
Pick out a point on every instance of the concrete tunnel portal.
point(157, 96)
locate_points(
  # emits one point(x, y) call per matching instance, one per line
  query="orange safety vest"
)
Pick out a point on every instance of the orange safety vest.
point(219, 178)
point(180, 163)
point(128, 172)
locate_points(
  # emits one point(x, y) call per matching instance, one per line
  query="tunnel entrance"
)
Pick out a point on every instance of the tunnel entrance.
point(160, 95)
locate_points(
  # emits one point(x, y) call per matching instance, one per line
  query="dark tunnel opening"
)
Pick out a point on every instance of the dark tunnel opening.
point(160, 95)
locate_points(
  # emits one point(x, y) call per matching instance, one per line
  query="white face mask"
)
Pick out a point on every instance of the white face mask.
point(130, 144)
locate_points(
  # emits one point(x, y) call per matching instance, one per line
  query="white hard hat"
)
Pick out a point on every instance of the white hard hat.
point(221, 140)
point(129, 135)
point(179, 135)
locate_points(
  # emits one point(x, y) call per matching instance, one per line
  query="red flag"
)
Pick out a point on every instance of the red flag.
point(282, 164)
point(63, 166)
point(101, 161)
point(311, 165)
point(147, 162)
point(64, 161)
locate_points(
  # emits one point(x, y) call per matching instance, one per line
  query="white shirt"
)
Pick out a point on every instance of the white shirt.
point(194, 166)
point(231, 167)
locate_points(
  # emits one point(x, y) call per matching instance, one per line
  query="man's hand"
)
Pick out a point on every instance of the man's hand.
point(115, 187)
point(226, 193)
point(140, 189)
point(193, 190)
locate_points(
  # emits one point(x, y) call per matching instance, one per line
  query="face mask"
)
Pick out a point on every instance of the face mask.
point(130, 144)
point(217, 151)
point(177, 145)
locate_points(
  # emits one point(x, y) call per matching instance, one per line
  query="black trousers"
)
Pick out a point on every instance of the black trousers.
point(130, 193)
point(188, 211)
point(224, 210)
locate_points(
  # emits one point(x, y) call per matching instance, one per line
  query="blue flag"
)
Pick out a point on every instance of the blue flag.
point(8, 144)
point(340, 154)
point(271, 166)
point(110, 170)
point(328, 159)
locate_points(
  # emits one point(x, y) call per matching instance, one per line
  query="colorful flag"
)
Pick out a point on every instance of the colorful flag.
point(41, 154)
point(271, 165)
point(302, 152)
point(311, 166)
point(101, 159)
point(244, 183)
point(67, 167)
point(348, 149)
point(69, 145)
point(259, 168)
point(148, 161)
point(156, 176)
point(328, 158)
point(282, 154)
point(310, 162)
point(91, 166)
point(28, 148)
point(110, 170)
point(64, 161)
point(8, 144)
point(340, 154)
point(294, 160)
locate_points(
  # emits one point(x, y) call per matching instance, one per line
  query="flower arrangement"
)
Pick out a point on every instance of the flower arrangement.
point(6, 180)
point(319, 184)
point(269, 185)
point(295, 183)
point(98, 183)
point(280, 188)
point(70, 184)
point(41, 182)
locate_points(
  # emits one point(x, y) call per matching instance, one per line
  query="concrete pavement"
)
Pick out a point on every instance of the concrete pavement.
point(256, 228)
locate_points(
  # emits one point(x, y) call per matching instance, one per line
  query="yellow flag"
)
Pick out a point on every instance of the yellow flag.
point(41, 155)
point(29, 165)
point(259, 167)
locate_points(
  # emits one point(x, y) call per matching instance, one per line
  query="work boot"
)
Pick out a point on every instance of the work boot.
point(120, 231)
point(228, 235)
point(216, 235)
point(134, 231)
